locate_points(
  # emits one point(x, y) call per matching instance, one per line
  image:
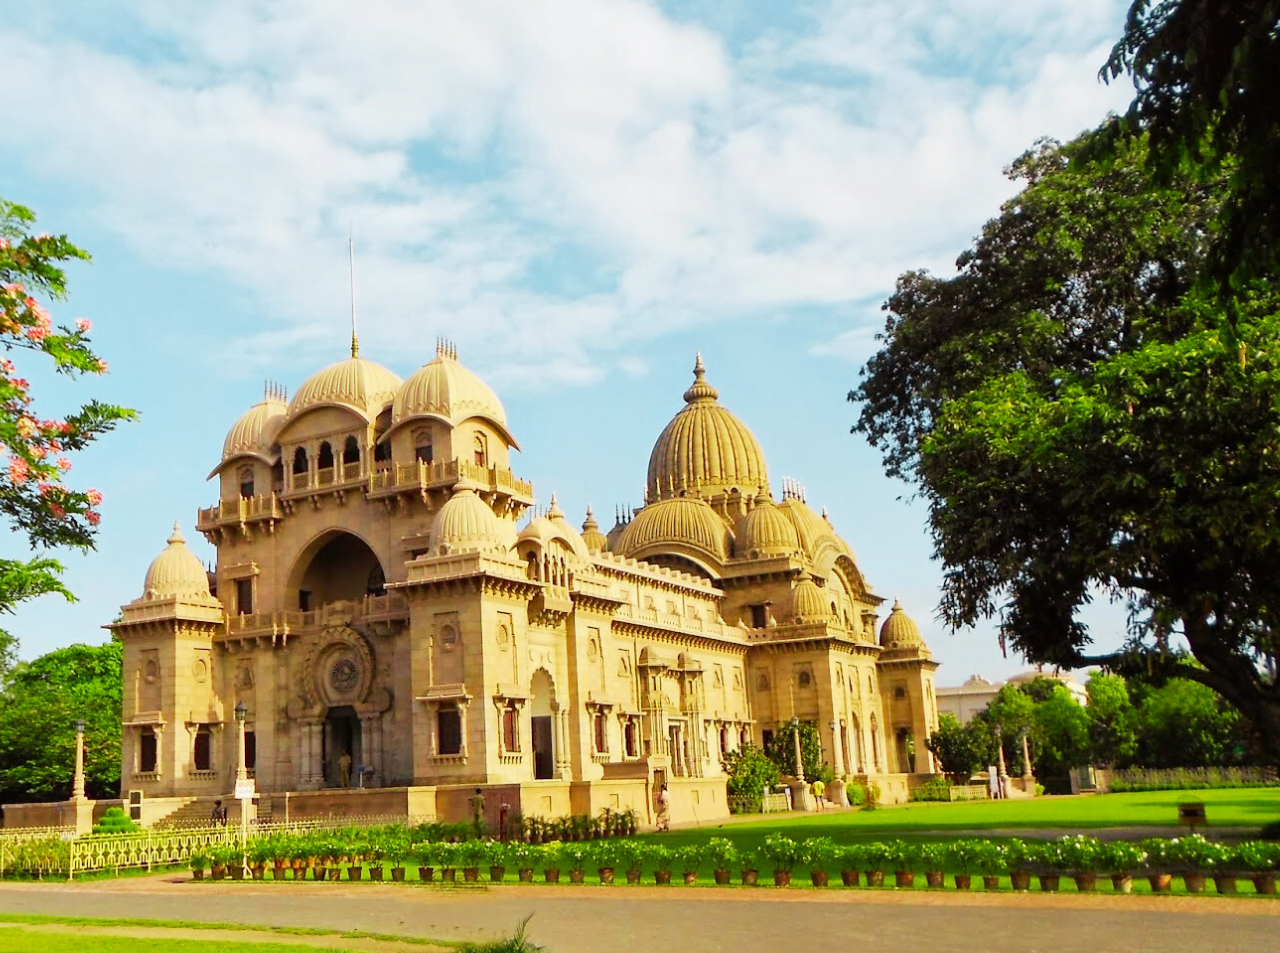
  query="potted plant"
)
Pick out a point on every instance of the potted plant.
point(784, 854)
point(299, 855)
point(722, 853)
point(850, 859)
point(750, 871)
point(690, 858)
point(819, 854)
point(259, 852)
point(446, 858)
point(878, 858)
point(1194, 857)
point(906, 860)
point(375, 852)
point(990, 862)
point(397, 848)
point(1050, 862)
point(1120, 859)
point(524, 857)
point(234, 857)
point(550, 861)
point(662, 857)
point(577, 855)
point(1019, 856)
point(963, 856)
point(607, 855)
point(470, 855)
point(1222, 866)
point(495, 854)
point(631, 821)
point(199, 861)
point(1082, 857)
point(933, 857)
point(1259, 860)
point(332, 858)
point(631, 855)
point(280, 850)
point(425, 855)
point(355, 860)
point(1160, 863)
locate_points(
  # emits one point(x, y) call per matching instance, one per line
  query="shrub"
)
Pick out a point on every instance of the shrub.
point(782, 852)
point(850, 857)
point(115, 821)
point(905, 857)
point(662, 857)
point(1257, 857)
point(819, 852)
point(1190, 779)
point(1080, 854)
point(939, 789)
point(856, 793)
point(690, 857)
point(750, 772)
point(722, 852)
point(1121, 857)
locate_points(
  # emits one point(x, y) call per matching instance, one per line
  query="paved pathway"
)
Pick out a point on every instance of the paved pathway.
point(691, 920)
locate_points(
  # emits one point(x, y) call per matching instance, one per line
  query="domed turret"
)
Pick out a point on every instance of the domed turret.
point(466, 524)
point(808, 603)
point(614, 536)
point(591, 534)
point(686, 527)
point(176, 573)
point(705, 450)
point(356, 384)
point(899, 630)
point(766, 531)
point(255, 432)
point(446, 390)
point(544, 529)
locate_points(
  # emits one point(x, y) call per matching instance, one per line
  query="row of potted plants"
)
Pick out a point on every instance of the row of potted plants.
point(1086, 860)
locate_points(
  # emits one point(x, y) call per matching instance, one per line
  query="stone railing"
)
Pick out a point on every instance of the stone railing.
point(285, 622)
point(409, 476)
point(239, 510)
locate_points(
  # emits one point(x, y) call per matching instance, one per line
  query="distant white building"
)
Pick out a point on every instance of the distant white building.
point(976, 693)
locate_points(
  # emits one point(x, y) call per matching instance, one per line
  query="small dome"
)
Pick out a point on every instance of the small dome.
point(809, 526)
point(466, 524)
point(766, 531)
point(357, 384)
point(542, 530)
point(808, 603)
point(705, 450)
point(899, 629)
point(176, 572)
point(591, 534)
point(681, 526)
point(614, 535)
point(255, 432)
point(446, 390)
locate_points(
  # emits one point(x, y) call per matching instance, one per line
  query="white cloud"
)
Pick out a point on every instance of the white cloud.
point(812, 169)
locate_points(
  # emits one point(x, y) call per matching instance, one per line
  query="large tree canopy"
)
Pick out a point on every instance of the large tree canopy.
point(1078, 420)
point(1205, 73)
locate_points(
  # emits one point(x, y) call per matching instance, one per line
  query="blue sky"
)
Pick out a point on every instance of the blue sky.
point(580, 193)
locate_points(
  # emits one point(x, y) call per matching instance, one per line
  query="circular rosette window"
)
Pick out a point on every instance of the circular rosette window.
point(342, 670)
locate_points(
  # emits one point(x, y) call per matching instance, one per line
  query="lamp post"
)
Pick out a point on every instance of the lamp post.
point(77, 783)
point(795, 734)
point(1002, 774)
point(242, 775)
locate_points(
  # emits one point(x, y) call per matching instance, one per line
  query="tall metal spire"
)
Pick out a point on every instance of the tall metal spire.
point(351, 257)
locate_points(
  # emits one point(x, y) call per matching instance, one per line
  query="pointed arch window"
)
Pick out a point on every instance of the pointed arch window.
point(480, 446)
point(351, 451)
point(300, 462)
point(325, 458)
point(422, 450)
point(246, 483)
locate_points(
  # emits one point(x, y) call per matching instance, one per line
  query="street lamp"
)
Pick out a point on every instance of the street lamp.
point(242, 775)
point(77, 783)
point(795, 734)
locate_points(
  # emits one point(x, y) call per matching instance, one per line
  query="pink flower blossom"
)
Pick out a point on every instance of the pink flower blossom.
point(55, 446)
point(57, 510)
point(84, 324)
point(93, 518)
point(64, 464)
point(93, 496)
point(21, 383)
point(26, 428)
point(37, 334)
point(6, 365)
point(18, 471)
point(64, 427)
point(45, 487)
point(102, 366)
point(38, 451)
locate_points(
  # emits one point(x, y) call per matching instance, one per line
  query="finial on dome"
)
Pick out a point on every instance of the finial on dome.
point(825, 516)
point(554, 512)
point(351, 254)
point(590, 523)
point(700, 389)
point(176, 539)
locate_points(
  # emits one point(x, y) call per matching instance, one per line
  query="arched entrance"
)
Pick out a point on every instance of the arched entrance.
point(336, 566)
point(342, 735)
point(542, 712)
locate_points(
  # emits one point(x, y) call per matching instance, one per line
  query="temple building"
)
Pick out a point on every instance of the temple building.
point(402, 625)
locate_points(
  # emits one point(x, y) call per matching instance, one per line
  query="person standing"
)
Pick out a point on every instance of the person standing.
point(818, 789)
point(477, 812)
point(344, 770)
point(664, 810)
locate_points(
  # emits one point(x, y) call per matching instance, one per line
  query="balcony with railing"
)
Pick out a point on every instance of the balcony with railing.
point(419, 475)
point(239, 511)
point(282, 623)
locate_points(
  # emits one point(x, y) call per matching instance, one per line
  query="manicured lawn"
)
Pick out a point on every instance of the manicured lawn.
point(18, 940)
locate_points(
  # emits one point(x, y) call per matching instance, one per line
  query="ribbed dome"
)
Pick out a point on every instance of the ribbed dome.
point(553, 526)
point(176, 572)
point(446, 390)
point(766, 531)
point(705, 449)
point(591, 535)
point(809, 526)
point(808, 603)
point(614, 536)
point(687, 523)
point(361, 385)
point(899, 629)
point(466, 524)
point(255, 432)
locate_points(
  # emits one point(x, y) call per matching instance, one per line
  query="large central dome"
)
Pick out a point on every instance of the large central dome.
point(355, 383)
point(448, 391)
point(705, 450)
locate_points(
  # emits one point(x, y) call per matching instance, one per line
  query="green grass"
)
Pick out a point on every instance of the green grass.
point(18, 940)
point(30, 918)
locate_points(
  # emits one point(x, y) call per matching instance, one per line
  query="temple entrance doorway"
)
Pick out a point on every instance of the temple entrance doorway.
point(341, 735)
point(542, 693)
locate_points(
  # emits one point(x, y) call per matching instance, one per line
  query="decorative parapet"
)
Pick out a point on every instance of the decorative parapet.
point(240, 512)
point(402, 477)
point(279, 624)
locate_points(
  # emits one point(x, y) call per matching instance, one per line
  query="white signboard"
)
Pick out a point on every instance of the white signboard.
point(245, 790)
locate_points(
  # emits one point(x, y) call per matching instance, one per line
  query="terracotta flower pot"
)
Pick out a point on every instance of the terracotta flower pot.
point(497, 874)
point(218, 871)
point(577, 876)
point(1049, 883)
point(426, 874)
point(606, 875)
point(277, 872)
point(525, 875)
point(470, 874)
point(449, 874)
point(934, 878)
point(258, 873)
point(397, 875)
point(1264, 883)
point(1086, 883)
point(1122, 883)
point(375, 873)
point(1021, 879)
point(1193, 882)
point(849, 878)
point(662, 876)
point(782, 878)
point(551, 875)
point(1224, 883)
point(335, 873)
point(990, 883)
point(319, 873)
point(819, 878)
point(904, 878)
point(690, 877)
point(236, 871)
point(1160, 883)
point(750, 877)
point(633, 876)
point(198, 873)
point(964, 881)
point(875, 878)
point(354, 873)
point(722, 877)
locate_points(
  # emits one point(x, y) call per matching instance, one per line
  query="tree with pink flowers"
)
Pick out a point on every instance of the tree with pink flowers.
point(37, 493)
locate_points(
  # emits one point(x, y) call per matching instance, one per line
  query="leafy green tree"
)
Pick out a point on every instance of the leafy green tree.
point(782, 751)
point(750, 772)
point(1205, 73)
point(1060, 732)
point(1077, 419)
point(39, 705)
point(35, 451)
point(962, 750)
point(1112, 720)
point(1182, 724)
point(1009, 715)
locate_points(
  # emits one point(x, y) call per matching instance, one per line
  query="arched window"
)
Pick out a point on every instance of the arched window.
point(246, 483)
point(203, 753)
point(147, 751)
point(481, 446)
point(449, 729)
point(382, 454)
point(632, 750)
point(351, 451)
point(422, 446)
point(300, 464)
point(377, 582)
point(510, 728)
point(806, 679)
point(325, 459)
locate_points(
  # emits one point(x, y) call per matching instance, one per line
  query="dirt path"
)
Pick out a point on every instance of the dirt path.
point(327, 941)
